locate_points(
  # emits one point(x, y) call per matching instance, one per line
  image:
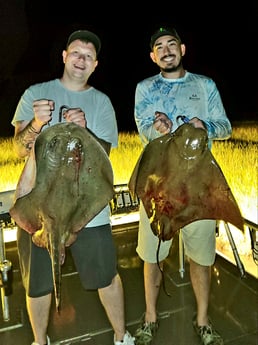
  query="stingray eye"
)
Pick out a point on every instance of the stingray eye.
point(195, 144)
point(54, 153)
point(52, 144)
point(74, 144)
point(74, 150)
point(193, 147)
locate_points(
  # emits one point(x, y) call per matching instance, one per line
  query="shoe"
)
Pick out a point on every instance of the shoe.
point(146, 332)
point(48, 342)
point(207, 334)
point(128, 340)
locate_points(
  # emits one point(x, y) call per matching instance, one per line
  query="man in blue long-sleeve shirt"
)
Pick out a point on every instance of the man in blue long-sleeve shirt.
point(160, 101)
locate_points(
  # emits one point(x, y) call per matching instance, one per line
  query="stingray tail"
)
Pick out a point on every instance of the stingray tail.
point(162, 271)
point(56, 255)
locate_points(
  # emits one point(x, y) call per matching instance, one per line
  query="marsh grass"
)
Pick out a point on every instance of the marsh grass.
point(10, 165)
point(125, 156)
point(238, 162)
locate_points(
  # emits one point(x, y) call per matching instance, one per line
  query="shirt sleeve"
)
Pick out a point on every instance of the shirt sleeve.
point(216, 121)
point(144, 113)
point(24, 109)
point(103, 123)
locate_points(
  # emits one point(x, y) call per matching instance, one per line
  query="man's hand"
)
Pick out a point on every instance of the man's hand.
point(75, 115)
point(42, 113)
point(162, 123)
point(197, 123)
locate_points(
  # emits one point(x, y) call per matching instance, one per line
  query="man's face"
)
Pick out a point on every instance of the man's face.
point(167, 53)
point(80, 59)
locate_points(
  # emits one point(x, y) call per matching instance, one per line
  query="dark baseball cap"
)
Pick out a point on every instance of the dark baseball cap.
point(85, 35)
point(163, 31)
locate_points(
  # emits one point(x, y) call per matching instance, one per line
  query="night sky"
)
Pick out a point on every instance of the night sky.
point(220, 42)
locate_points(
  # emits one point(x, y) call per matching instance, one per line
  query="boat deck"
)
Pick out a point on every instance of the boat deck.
point(82, 320)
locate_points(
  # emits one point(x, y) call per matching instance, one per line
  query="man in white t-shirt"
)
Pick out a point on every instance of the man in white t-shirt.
point(71, 99)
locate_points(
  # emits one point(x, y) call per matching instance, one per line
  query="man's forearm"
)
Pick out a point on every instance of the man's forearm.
point(25, 139)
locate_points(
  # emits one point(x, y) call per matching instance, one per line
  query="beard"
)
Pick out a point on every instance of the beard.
point(173, 68)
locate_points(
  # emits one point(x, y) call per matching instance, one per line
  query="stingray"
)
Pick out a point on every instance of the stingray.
point(66, 181)
point(179, 181)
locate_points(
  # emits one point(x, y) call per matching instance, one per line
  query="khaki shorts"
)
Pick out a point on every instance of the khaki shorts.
point(199, 240)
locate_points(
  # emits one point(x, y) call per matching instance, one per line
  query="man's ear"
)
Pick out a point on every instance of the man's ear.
point(64, 54)
point(183, 49)
point(152, 56)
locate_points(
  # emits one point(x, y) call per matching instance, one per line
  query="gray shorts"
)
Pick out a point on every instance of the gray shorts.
point(94, 255)
point(199, 240)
